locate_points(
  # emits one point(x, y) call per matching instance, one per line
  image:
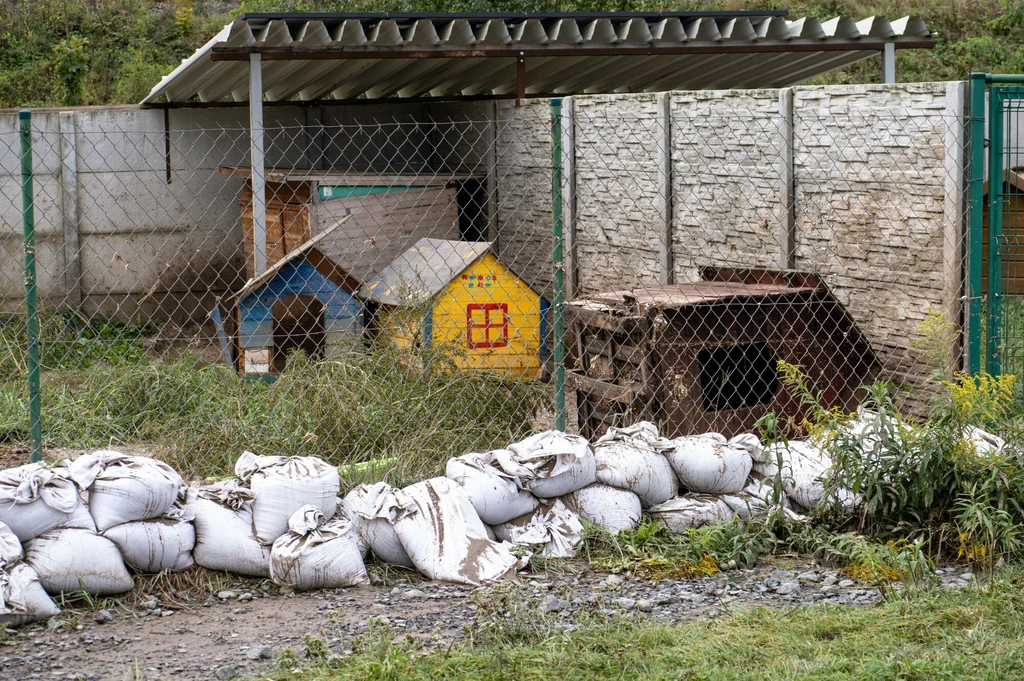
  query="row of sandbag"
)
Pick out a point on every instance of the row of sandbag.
point(534, 492)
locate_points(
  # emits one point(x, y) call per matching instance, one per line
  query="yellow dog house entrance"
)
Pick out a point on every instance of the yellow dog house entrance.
point(457, 297)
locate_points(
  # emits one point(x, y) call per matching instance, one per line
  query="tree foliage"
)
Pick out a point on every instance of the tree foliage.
point(66, 52)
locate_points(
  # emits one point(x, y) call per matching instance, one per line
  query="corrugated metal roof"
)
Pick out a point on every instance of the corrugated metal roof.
point(422, 271)
point(346, 56)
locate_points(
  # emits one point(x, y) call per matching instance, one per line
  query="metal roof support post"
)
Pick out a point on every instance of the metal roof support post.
point(889, 63)
point(259, 195)
point(558, 285)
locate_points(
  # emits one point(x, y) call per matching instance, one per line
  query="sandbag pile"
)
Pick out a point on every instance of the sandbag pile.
point(87, 525)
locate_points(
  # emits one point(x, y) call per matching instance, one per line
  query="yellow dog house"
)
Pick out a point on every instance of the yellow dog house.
point(457, 297)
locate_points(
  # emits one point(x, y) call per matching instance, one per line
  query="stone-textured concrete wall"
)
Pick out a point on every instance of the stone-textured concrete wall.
point(878, 210)
point(617, 199)
point(523, 161)
point(728, 195)
point(861, 184)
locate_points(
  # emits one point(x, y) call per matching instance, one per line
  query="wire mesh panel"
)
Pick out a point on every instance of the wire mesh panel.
point(1005, 229)
point(407, 310)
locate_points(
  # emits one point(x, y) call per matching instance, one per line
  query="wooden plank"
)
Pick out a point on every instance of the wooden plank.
point(607, 391)
point(576, 314)
point(630, 354)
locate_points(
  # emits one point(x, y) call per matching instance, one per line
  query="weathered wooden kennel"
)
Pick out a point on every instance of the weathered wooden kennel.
point(703, 356)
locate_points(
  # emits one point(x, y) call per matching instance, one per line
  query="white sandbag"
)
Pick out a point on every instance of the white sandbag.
point(549, 464)
point(493, 492)
point(35, 498)
point(367, 508)
point(444, 536)
point(316, 553)
point(80, 519)
point(11, 550)
point(632, 459)
point(983, 442)
point(553, 530)
point(284, 484)
point(77, 560)
point(711, 465)
point(805, 472)
point(224, 539)
point(158, 544)
point(610, 508)
point(22, 598)
point(124, 488)
point(690, 510)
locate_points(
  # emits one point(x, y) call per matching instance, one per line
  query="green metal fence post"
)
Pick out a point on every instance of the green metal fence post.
point(995, 233)
point(976, 181)
point(558, 293)
point(28, 219)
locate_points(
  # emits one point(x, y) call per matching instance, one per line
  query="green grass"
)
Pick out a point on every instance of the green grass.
point(199, 417)
point(929, 635)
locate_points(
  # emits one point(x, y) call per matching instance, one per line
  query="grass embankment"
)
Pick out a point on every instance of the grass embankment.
point(930, 634)
point(70, 52)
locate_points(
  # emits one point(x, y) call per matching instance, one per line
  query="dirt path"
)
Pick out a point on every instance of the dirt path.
point(246, 628)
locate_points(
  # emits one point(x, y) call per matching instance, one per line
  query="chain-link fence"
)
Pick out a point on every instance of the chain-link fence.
point(410, 308)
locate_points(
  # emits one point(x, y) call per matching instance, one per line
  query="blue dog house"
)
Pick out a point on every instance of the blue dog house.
point(305, 300)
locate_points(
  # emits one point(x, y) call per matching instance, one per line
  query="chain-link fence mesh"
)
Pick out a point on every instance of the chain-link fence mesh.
point(407, 311)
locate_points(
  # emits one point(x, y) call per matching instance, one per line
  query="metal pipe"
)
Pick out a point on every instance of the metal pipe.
point(976, 194)
point(28, 219)
point(558, 286)
point(259, 192)
point(889, 63)
point(1011, 79)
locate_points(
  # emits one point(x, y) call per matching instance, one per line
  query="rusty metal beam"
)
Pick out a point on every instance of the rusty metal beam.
point(343, 52)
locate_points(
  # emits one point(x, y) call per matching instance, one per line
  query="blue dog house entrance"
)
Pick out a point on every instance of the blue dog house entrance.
point(304, 301)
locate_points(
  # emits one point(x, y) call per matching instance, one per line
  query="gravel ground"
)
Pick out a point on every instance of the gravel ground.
point(240, 632)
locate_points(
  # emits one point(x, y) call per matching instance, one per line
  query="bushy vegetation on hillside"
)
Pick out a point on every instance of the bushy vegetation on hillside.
point(74, 52)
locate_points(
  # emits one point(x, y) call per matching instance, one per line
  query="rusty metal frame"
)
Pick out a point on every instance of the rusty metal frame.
point(518, 53)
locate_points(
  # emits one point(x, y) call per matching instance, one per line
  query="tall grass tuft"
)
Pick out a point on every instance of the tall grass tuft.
point(199, 417)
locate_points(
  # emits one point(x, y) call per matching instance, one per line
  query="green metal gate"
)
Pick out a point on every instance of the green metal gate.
point(996, 287)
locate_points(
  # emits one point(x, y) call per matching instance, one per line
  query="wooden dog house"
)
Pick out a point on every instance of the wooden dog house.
point(304, 300)
point(703, 357)
point(458, 297)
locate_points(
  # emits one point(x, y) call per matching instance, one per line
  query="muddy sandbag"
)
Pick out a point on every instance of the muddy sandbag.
point(284, 484)
point(552, 530)
point(35, 498)
point(633, 459)
point(710, 464)
point(80, 519)
point(316, 553)
point(123, 488)
point(494, 493)
point(549, 464)
point(805, 472)
point(158, 544)
point(368, 509)
point(444, 536)
point(22, 598)
point(608, 507)
point(222, 516)
point(690, 510)
point(78, 560)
